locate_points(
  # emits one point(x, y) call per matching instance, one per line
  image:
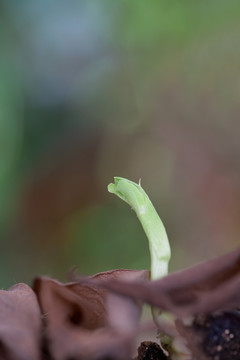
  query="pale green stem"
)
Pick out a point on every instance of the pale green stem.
point(160, 251)
point(135, 196)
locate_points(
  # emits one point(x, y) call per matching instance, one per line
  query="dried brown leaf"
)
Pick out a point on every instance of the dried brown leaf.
point(20, 324)
point(85, 321)
point(203, 288)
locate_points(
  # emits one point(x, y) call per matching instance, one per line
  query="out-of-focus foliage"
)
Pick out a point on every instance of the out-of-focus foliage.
point(95, 89)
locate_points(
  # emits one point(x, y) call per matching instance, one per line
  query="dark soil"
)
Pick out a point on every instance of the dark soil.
point(221, 335)
point(150, 351)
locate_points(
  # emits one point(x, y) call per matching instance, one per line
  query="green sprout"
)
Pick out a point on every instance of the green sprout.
point(135, 196)
point(160, 252)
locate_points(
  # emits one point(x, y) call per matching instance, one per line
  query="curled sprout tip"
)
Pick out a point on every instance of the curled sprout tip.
point(135, 196)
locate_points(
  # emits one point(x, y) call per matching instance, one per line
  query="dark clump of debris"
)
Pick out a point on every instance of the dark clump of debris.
point(149, 350)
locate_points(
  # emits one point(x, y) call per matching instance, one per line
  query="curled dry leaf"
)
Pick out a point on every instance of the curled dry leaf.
point(85, 321)
point(20, 324)
point(203, 299)
point(203, 288)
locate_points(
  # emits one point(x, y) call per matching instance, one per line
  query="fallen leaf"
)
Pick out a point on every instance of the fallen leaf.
point(85, 321)
point(204, 288)
point(20, 324)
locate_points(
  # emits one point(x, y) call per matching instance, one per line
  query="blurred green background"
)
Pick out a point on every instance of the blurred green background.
point(95, 89)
